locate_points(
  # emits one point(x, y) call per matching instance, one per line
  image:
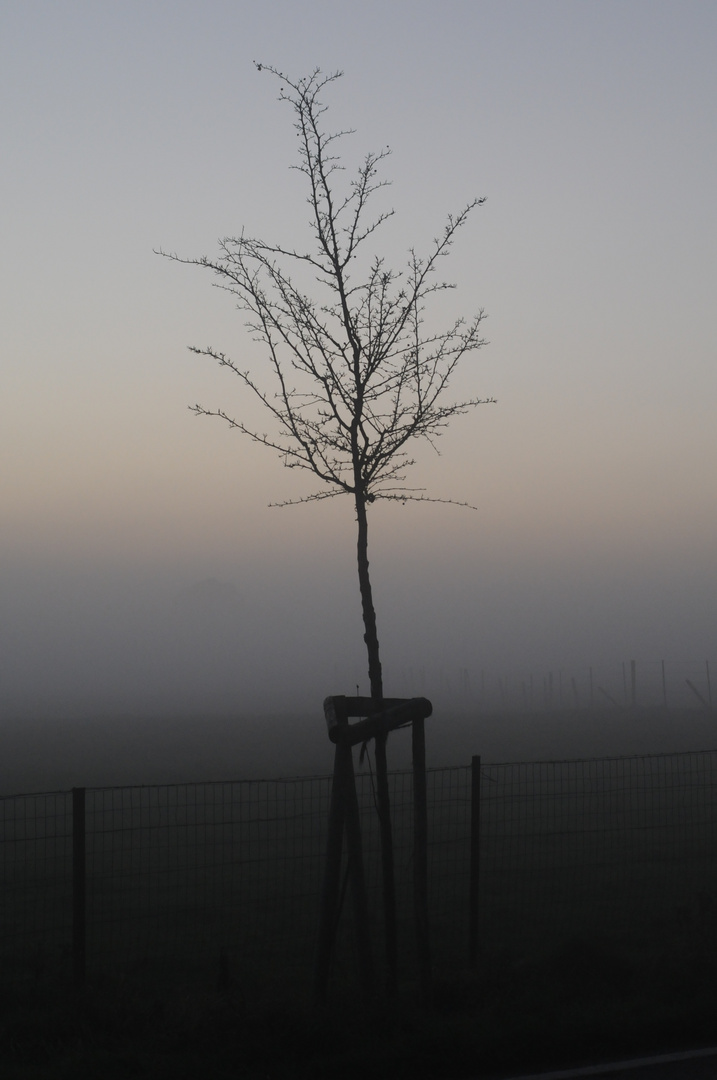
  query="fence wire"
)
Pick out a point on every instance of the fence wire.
point(216, 875)
point(36, 876)
point(222, 879)
point(624, 846)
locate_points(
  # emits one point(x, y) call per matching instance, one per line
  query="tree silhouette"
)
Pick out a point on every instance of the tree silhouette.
point(356, 372)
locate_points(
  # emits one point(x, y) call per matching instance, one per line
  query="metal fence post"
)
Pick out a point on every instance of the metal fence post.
point(474, 863)
point(356, 868)
point(78, 886)
point(420, 856)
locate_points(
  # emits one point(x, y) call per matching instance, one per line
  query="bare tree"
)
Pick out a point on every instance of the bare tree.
point(356, 372)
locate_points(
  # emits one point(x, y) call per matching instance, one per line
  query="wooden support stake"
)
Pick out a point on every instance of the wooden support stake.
point(343, 813)
point(356, 875)
point(473, 902)
point(388, 884)
point(697, 694)
point(393, 713)
point(328, 917)
point(78, 887)
point(608, 697)
point(420, 857)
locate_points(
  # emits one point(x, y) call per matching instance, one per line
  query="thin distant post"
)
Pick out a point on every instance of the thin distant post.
point(664, 686)
point(709, 683)
point(78, 887)
point(633, 683)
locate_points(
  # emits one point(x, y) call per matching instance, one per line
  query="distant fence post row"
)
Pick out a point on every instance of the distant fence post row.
point(626, 684)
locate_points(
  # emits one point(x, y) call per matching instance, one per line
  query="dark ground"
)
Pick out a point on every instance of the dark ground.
point(578, 1006)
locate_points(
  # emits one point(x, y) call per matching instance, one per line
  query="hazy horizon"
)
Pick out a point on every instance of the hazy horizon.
point(141, 570)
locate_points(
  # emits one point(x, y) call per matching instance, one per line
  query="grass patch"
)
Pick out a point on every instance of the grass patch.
point(583, 1001)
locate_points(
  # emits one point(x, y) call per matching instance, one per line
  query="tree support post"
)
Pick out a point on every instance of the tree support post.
point(388, 883)
point(356, 875)
point(344, 814)
point(332, 877)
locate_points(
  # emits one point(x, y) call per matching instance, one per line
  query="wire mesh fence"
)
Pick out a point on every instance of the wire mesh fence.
point(206, 875)
point(217, 877)
point(619, 847)
point(36, 895)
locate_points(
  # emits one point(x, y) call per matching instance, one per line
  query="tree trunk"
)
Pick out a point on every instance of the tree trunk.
point(384, 805)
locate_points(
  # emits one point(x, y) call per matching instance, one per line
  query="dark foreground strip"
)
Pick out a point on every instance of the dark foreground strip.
point(621, 1066)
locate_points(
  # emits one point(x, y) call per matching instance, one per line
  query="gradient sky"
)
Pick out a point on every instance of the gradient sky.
point(590, 127)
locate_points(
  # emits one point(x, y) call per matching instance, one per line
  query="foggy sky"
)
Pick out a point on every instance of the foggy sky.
point(141, 571)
